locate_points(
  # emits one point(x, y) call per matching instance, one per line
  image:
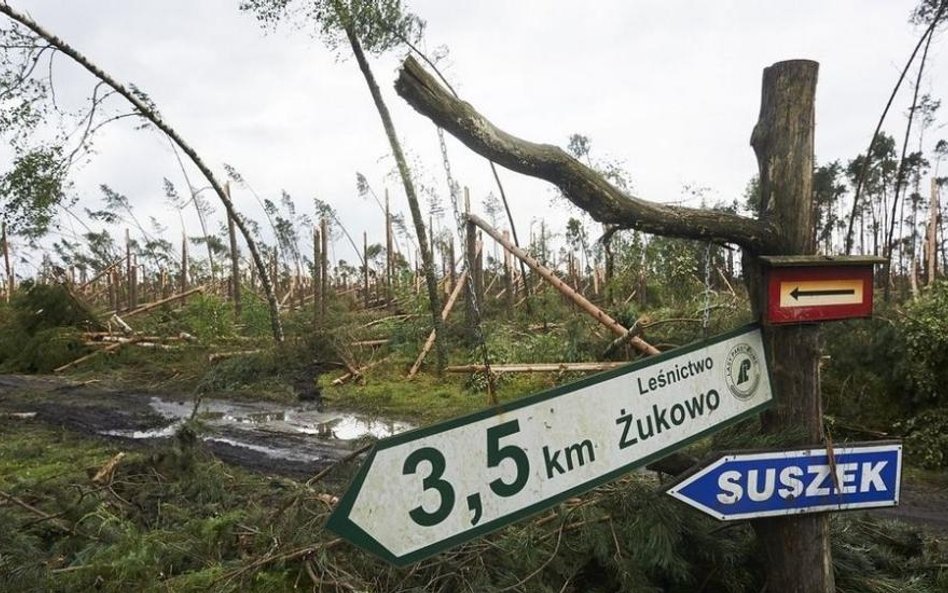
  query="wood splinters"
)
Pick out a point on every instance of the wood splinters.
point(107, 471)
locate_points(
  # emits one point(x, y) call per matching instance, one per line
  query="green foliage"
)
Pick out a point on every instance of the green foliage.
point(863, 376)
point(209, 317)
point(32, 189)
point(926, 438)
point(379, 24)
point(40, 329)
point(925, 333)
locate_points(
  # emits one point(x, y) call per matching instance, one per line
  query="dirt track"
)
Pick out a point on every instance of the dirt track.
point(272, 438)
point(295, 441)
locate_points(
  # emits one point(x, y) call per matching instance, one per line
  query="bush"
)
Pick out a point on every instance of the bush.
point(926, 438)
point(925, 335)
point(41, 329)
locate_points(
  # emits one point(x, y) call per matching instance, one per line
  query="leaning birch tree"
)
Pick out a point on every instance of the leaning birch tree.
point(372, 26)
point(147, 110)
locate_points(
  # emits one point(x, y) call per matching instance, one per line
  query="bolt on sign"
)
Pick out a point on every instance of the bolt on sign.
point(424, 491)
point(802, 289)
point(750, 485)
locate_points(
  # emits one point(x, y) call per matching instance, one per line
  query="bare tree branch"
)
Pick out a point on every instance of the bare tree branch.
point(580, 184)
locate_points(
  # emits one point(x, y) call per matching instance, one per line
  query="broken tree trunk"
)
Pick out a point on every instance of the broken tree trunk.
point(8, 274)
point(797, 547)
point(932, 242)
point(105, 271)
point(548, 275)
point(156, 304)
point(317, 278)
point(550, 367)
point(579, 183)
point(444, 315)
point(234, 259)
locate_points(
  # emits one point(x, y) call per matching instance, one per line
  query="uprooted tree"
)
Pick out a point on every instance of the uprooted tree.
point(145, 109)
point(797, 548)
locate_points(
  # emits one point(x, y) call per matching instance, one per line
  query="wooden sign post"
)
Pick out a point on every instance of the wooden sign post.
point(797, 551)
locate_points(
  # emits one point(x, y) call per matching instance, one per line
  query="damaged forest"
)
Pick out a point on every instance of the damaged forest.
point(197, 389)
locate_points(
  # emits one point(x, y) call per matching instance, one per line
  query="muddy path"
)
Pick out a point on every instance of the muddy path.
point(295, 440)
point(277, 438)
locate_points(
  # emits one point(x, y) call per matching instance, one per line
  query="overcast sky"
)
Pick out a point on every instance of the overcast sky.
point(670, 88)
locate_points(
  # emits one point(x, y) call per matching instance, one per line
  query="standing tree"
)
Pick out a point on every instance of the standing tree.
point(373, 27)
point(147, 110)
point(797, 548)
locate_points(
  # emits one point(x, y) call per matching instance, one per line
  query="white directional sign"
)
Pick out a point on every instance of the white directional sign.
point(424, 491)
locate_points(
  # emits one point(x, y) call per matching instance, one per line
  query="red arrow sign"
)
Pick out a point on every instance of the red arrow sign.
point(818, 293)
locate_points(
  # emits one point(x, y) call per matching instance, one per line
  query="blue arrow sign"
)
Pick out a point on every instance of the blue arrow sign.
point(750, 485)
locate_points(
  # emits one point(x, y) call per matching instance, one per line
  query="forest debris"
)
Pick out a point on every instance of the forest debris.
point(105, 473)
point(38, 512)
point(158, 303)
point(81, 359)
point(370, 343)
point(550, 277)
point(215, 356)
point(328, 499)
point(349, 375)
point(429, 343)
point(121, 323)
point(624, 338)
point(551, 367)
point(389, 318)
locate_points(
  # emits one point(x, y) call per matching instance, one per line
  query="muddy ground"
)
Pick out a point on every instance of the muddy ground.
point(270, 437)
point(291, 440)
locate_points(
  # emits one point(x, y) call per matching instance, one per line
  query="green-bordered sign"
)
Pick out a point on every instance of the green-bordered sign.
point(424, 491)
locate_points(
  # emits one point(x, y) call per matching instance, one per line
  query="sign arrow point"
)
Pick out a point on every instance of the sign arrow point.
point(795, 293)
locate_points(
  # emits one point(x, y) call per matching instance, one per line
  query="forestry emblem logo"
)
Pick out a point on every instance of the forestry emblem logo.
point(742, 371)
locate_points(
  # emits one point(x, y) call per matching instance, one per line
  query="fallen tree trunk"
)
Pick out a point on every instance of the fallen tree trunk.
point(548, 275)
point(543, 367)
point(444, 315)
point(579, 183)
point(156, 304)
point(81, 359)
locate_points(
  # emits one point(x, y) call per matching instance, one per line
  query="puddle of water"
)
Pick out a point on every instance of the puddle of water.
point(353, 427)
point(296, 433)
point(154, 433)
point(274, 418)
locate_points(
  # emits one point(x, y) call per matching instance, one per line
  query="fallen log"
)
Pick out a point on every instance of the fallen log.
point(429, 343)
point(360, 372)
point(215, 356)
point(156, 304)
point(121, 323)
point(370, 343)
point(82, 359)
point(548, 275)
point(551, 367)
